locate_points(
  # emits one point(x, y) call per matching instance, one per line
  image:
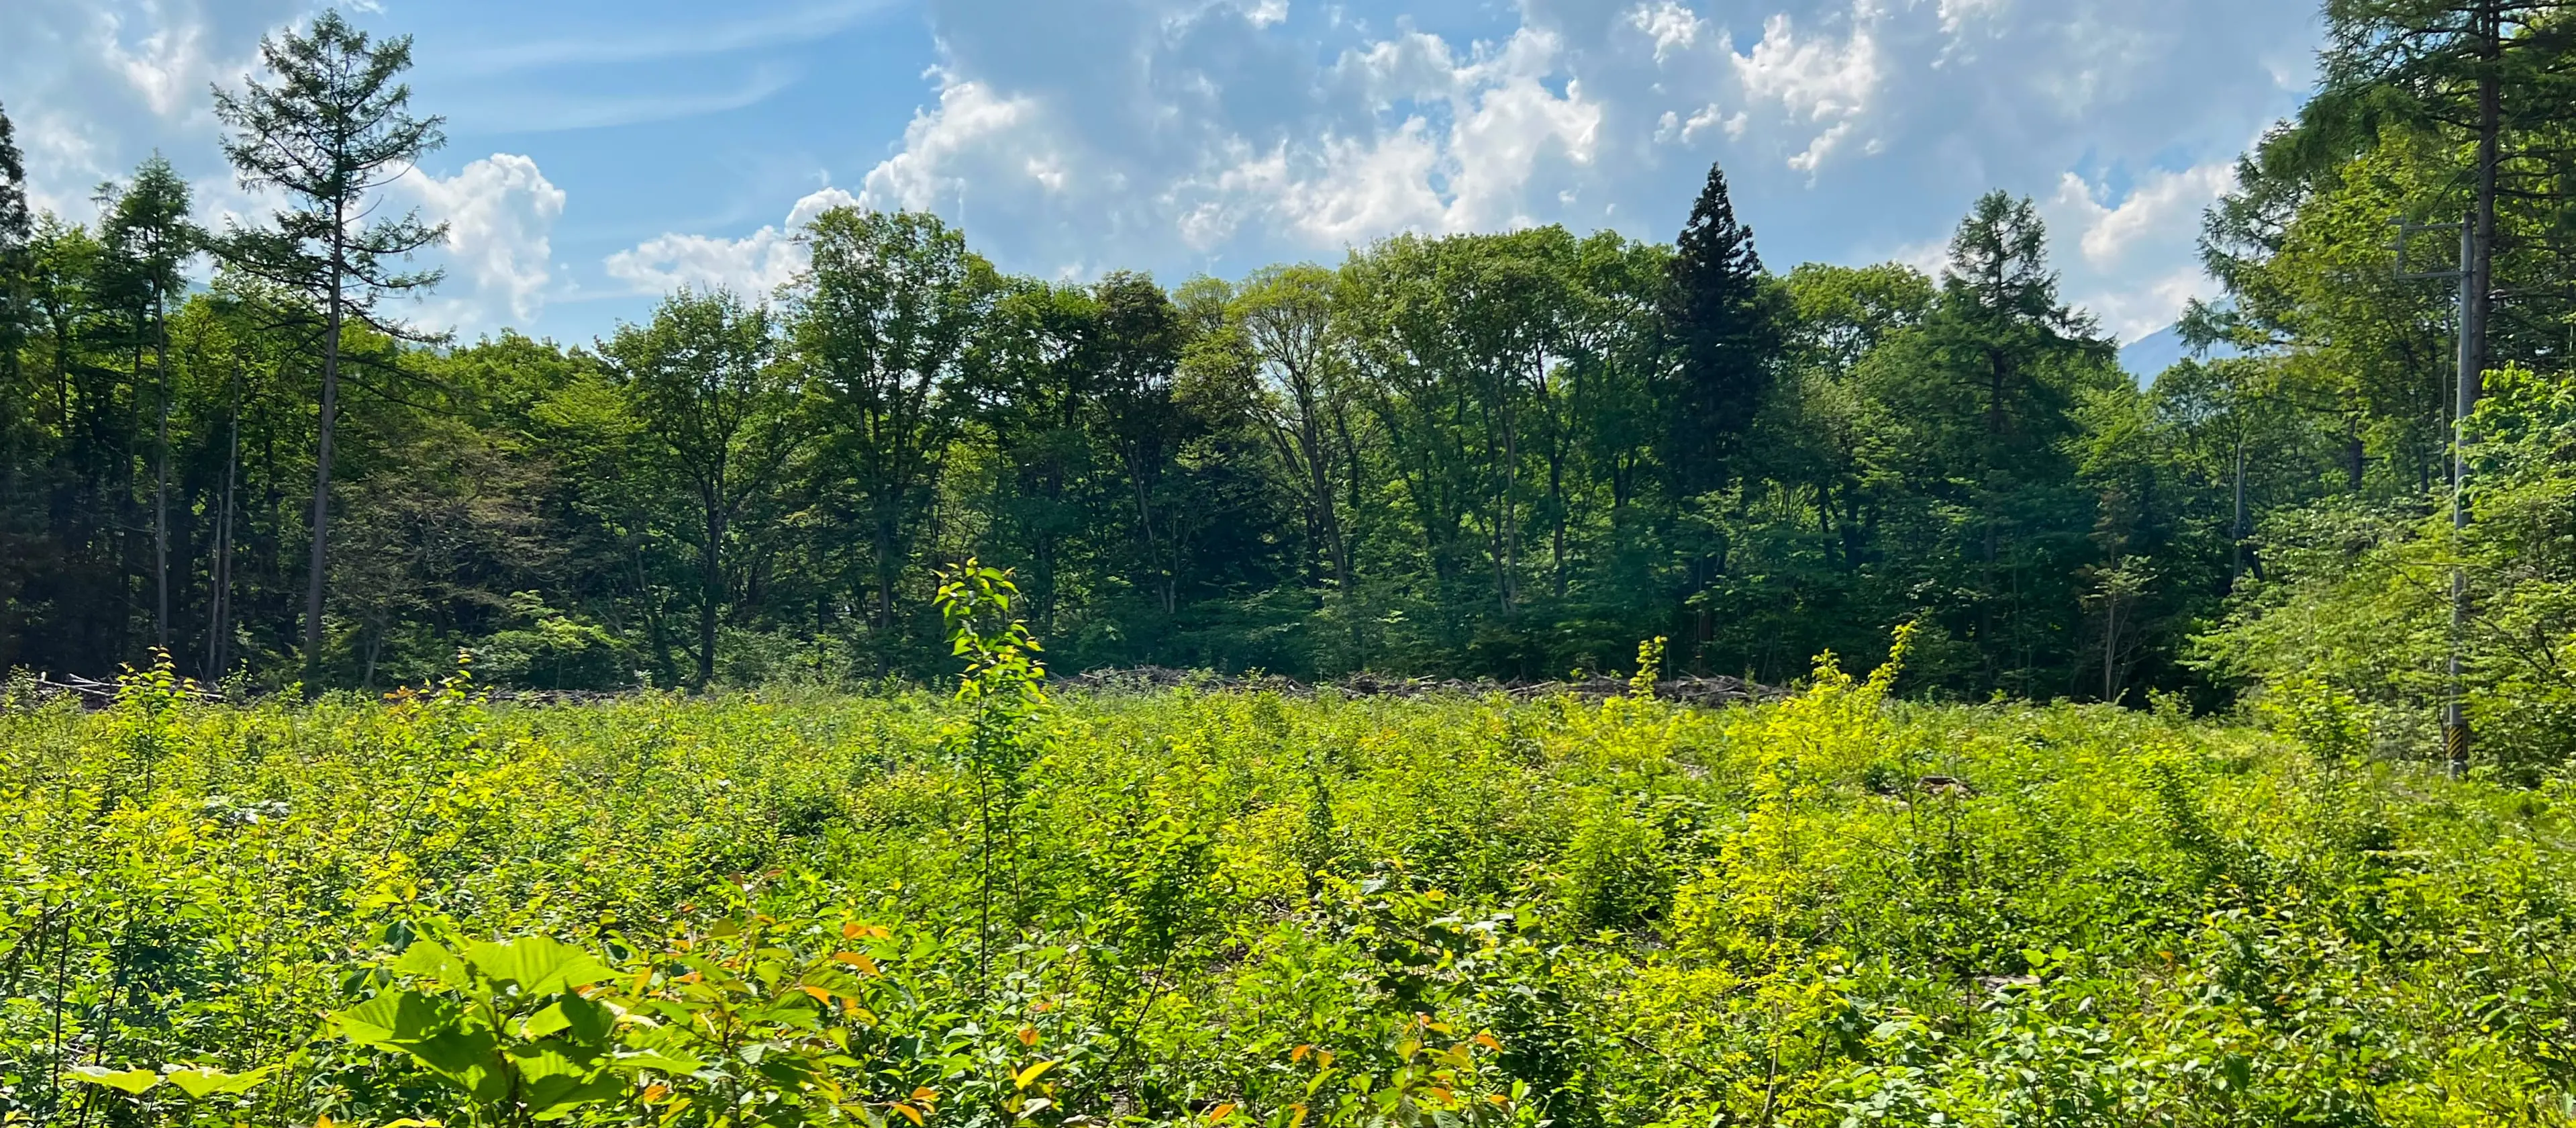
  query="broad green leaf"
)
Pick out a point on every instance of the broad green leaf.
point(545, 1022)
point(540, 965)
point(122, 1080)
point(587, 1022)
point(655, 1061)
point(433, 1032)
point(205, 1081)
point(583, 1021)
point(395, 1018)
point(554, 1083)
point(469, 1059)
point(432, 961)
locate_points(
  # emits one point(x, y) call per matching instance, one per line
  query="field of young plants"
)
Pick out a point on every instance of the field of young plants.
point(1226, 908)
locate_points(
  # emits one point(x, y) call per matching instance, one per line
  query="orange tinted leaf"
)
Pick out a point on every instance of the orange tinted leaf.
point(909, 1113)
point(1028, 1036)
point(1487, 1041)
point(1218, 1114)
point(1299, 1054)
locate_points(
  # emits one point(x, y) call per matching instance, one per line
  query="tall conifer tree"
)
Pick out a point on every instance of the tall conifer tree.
point(334, 128)
point(1725, 338)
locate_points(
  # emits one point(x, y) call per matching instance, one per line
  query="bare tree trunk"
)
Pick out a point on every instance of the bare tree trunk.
point(710, 596)
point(219, 601)
point(2477, 297)
point(2110, 642)
point(2240, 529)
point(317, 567)
point(885, 573)
point(161, 484)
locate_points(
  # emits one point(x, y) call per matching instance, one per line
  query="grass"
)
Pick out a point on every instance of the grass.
point(1235, 908)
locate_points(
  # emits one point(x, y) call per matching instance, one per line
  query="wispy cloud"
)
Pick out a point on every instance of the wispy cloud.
point(545, 113)
point(797, 26)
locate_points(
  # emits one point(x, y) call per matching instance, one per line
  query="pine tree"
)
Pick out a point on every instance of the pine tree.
point(1725, 337)
point(333, 129)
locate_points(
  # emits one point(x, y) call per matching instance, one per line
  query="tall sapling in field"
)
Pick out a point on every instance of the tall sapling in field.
point(1005, 730)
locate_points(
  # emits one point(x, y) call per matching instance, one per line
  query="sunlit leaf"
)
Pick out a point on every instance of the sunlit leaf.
point(539, 965)
point(122, 1080)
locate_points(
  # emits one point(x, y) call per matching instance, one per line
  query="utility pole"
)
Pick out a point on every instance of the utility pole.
point(2471, 362)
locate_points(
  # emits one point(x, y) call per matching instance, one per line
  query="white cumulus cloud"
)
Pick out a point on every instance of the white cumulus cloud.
point(2135, 262)
point(1824, 81)
point(1673, 28)
point(500, 213)
point(96, 86)
point(973, 134)
point(753, 266)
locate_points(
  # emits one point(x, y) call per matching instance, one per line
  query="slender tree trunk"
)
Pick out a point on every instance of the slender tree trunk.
point(129, 504)
point(885, 573)
point(316, 575)
point(2110, 640)
point(2242, 527)
point(1318, 456)
point(1154, 555)
point(711, 595)
point(2477, 299)
point(1511, 523)
point(161, 483)
point(219, 601)
point(2481, 264)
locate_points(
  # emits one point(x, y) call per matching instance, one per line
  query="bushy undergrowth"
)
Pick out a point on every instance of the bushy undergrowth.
point(1237, 909)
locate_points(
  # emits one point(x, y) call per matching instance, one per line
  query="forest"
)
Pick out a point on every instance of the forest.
point(1506, 455)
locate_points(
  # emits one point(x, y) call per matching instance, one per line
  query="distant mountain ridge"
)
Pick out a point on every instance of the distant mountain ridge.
point(2160, 350)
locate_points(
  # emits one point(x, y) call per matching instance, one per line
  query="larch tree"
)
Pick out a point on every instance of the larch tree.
point(331, 127)
point(149, 238)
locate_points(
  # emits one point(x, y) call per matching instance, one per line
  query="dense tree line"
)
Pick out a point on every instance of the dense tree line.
point(1511, 454)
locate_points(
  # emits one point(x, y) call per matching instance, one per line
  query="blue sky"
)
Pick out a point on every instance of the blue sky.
point(600, 153)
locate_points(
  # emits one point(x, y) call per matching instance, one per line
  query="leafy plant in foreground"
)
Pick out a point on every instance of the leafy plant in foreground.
point(1003, 731)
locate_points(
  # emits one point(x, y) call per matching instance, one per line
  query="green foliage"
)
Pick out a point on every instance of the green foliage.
point(1202, 907)
point(2358, 602)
